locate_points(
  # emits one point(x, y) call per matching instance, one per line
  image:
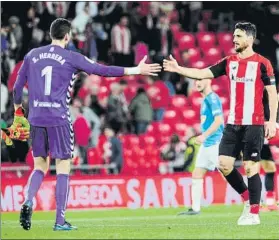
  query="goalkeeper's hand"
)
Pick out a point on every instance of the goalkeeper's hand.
point(18, 133)
point(20, 120)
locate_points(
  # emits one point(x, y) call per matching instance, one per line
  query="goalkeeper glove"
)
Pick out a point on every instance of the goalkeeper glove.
point(20, 119)
point(6, 139)
point(18, 133)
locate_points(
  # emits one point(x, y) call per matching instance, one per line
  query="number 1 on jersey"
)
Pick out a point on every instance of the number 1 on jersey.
point(47, 72)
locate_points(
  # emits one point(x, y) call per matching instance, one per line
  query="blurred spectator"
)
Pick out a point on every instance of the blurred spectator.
point(225, 17)
point(159, 96)
point(5, 65)
point(161, 40)
point(4, 99)
point(81, 129)
point(149, 22)
point(195, 12)
point(13, 76)
point(123, 85)
point(121, 43)
point(116, 117)
point(80, 21)
point(189, 15)
point(30, 23)
point(113, 153)
point(58, 9)
point(82, 98)
point(173, 154)
point(92, 8)
point(95, 105)
point(141, 111)
point(16, 31)
point(94, 121)
point(135, 22)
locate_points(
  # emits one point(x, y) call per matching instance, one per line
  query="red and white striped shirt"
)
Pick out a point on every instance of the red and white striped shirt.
point(247, 80)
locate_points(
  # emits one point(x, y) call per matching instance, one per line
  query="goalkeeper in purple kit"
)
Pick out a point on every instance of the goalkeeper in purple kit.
point(49, 73)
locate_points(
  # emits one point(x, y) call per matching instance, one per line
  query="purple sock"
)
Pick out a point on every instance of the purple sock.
point(61, 194)
point(34, 182)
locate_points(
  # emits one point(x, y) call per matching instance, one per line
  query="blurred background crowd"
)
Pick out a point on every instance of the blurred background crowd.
point(135, 124)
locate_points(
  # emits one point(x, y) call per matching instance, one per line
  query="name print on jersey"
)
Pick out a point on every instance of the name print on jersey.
point(53, 56)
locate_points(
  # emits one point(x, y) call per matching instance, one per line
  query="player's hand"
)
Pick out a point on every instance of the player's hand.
point(20, 120)
point(17, 133)
point(170, 65)
point(149, 69)
point(200, 139)
point(270, 129)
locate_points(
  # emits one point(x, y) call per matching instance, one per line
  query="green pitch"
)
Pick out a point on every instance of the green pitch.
point(215, 222)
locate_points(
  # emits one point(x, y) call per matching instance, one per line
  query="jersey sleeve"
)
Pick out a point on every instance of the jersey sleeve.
point(219, 69)
point(87, 65)
point(215, 105)
point(20, 81)
point(267, 74)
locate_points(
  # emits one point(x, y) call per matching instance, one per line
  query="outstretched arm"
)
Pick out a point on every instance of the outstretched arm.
point(217, 70)
point(87, 65)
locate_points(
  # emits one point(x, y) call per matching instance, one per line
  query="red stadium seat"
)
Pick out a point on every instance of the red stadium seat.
point(199, 64)
point(147, 140)
point(164, 129)
point(190, 116)
point(180, 129)
point(177, 56)
point(132, 140)
point(141, 49)
point(175, 28)
point(229, 51)
point(179, 101)
point(186, 41)
point(130, 92)
point(94, 156)
point(206, 40)
point(212, 55)
point(195, 99)
point(194, 54)
point(171, 116)
point(225, 40)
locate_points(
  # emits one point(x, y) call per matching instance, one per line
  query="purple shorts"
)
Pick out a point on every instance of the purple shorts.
point(57, 141)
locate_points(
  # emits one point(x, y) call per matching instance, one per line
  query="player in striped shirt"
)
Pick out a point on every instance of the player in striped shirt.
point(249, 74)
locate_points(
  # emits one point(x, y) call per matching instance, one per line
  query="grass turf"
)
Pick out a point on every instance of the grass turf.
point(215, 222)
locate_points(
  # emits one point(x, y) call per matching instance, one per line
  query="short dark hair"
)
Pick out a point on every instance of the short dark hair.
point(59, 28)
point(248, 27)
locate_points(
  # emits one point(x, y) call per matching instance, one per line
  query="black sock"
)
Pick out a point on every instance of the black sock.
point(255, 189)
point(235, 179)
point(269, 181)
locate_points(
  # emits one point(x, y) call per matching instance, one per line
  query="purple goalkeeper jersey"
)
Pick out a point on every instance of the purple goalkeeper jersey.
point(49, 72)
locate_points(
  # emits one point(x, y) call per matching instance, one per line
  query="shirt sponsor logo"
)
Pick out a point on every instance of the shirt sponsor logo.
point(254, 154)
point(37, 103)
point(242, 79)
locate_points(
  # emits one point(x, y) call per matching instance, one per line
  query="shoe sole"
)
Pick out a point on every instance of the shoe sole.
point(57, 230)
point(24, 215)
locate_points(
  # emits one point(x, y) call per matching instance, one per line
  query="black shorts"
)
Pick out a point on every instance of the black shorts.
point(247, 138)
point(266, 153)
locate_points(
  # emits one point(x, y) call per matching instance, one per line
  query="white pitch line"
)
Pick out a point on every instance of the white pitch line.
point(147, 218)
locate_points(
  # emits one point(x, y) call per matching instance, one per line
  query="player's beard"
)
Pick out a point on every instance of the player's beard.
point(241, 48)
